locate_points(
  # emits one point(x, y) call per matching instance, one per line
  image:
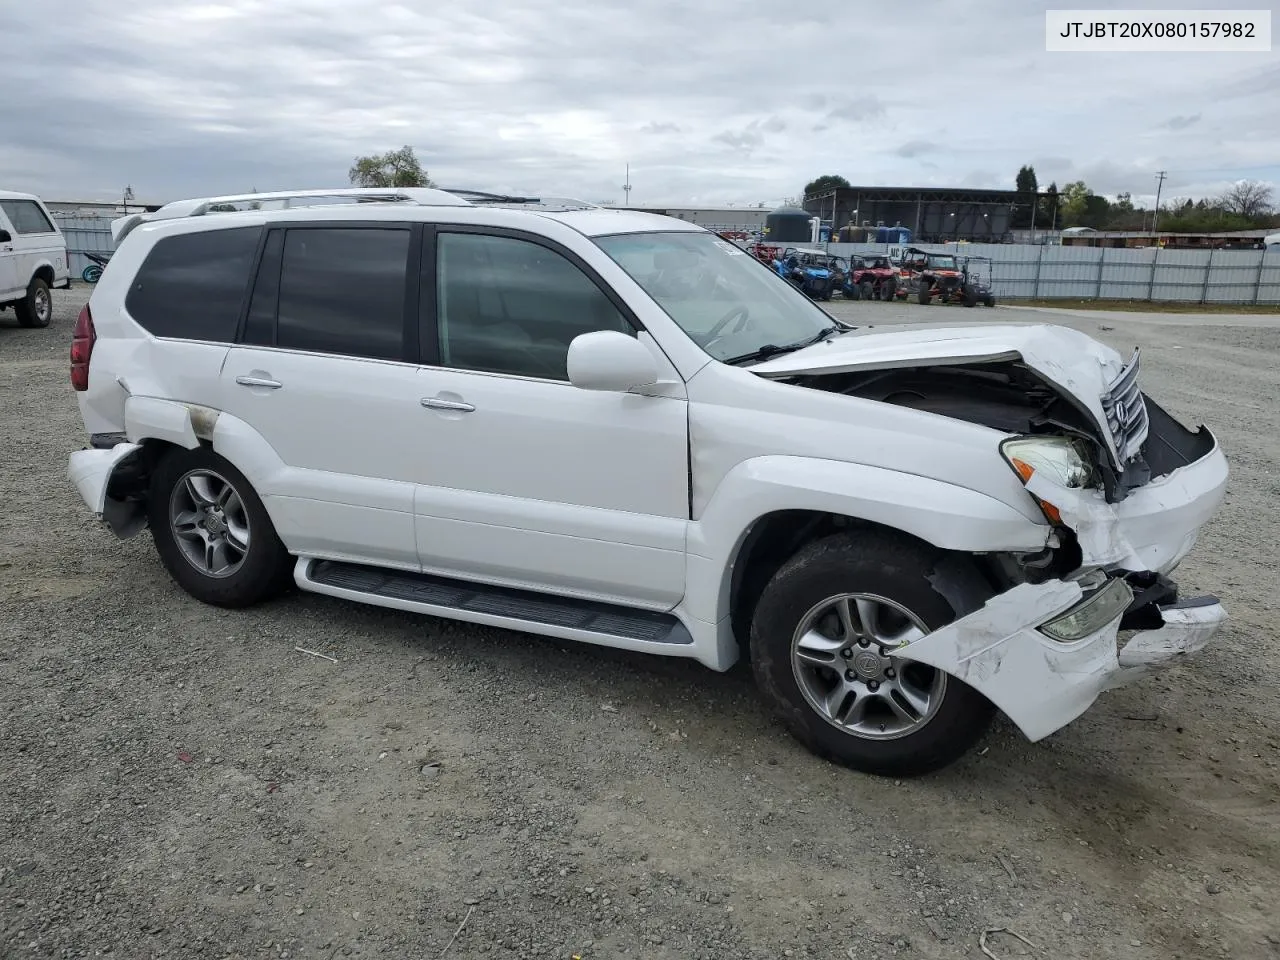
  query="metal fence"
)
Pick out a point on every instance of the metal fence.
point(1110, 273)
point(1017, 270)
point(84, 233)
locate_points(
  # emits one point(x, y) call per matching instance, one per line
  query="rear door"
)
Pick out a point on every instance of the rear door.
point(326, 374)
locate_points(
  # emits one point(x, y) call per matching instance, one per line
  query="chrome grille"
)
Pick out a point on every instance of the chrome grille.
point(1126, 411)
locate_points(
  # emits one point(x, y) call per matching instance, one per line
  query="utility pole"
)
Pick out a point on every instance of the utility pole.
point(1155, 214)
point(626, 189)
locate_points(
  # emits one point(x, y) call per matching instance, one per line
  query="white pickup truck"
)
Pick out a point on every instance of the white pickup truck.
point(617, 428)
point(33, 258)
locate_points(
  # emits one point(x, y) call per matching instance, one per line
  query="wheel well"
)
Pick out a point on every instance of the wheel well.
point(131, 478)
point(776, 537)
point(44, 273)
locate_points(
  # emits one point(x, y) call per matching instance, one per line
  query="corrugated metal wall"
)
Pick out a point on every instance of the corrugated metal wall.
point(1018, 270)
point(1091, 273)
point(84, 233)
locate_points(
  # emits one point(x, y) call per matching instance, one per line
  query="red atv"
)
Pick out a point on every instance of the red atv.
point(870, 277)
point(925, 275)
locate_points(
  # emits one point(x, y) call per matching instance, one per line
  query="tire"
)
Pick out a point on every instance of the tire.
point(257, 573)
point(867, 290)
point(888, 289)
point(852, 291)
point(989, 300)
point(922, 296)
point(36, 308)
point(893, 569)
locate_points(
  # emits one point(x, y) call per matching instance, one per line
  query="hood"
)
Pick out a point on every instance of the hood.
point(1074, 362)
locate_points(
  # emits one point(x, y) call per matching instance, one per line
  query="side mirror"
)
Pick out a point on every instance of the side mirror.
point(5, 236)
point(610, 360)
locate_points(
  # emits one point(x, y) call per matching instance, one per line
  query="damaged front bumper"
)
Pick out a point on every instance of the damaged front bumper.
point(1043, 652)
point(1042, 683)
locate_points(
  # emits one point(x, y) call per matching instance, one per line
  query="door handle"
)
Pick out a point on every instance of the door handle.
point(259, 382)
point(438, 403)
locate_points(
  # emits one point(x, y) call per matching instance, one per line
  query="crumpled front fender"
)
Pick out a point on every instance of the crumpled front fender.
point(90, 472)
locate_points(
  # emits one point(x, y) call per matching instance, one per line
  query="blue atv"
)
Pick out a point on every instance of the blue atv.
point(813, 271)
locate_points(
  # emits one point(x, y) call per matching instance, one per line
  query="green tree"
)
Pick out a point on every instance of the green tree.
point(397, 168)
point(1124, 203)
point(825, 184)
point(1073, 196)
point(1050, 208)
point(1027, 188)
point(1097, 210)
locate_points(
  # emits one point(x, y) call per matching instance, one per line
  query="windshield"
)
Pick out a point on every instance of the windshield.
point(942, 263)
point(728, 302)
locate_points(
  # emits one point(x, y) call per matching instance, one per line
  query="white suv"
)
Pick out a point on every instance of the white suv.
point(33, 258)
point(618, 428)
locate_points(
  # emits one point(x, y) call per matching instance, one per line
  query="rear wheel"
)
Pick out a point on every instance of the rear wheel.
point(867, 290)
point(922, 295)
point(989, 300)
point(36, 308)
point(212, 532)
point(852, 291)
point(888, 289)
point(823, 637)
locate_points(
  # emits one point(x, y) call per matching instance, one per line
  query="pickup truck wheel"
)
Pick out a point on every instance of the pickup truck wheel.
point(36, 308)
point(212, 532)
point(822, 642)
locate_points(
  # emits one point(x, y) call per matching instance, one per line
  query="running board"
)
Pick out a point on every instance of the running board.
point(587, 620)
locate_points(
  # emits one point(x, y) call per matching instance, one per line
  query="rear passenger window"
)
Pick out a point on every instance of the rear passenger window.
point(26, 216)
point(191, 286)
point(342, 290)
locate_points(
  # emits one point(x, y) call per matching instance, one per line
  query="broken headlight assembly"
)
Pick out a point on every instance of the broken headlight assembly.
point(1064, 460)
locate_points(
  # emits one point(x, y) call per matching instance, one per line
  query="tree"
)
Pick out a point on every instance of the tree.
point(397, 168)
point(1248, 198)
point(1027, 187)
point(1097, 211)
point(1124, 203)
point(1073, 201)
point(825, 184)
point(1050, 207)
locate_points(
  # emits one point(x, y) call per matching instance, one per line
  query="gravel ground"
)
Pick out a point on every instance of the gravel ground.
point(176, 781)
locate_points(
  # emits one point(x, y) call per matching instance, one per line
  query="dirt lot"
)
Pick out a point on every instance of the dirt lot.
point(179, 782)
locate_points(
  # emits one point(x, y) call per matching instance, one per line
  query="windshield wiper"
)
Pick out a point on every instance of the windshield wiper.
point(773, 350)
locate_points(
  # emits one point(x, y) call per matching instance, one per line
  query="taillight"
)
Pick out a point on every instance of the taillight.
point(82, 339)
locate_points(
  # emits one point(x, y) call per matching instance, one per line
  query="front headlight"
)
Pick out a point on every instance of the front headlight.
point(1063, 460)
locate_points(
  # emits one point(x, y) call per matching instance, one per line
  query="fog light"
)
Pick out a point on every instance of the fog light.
point(1091, 615)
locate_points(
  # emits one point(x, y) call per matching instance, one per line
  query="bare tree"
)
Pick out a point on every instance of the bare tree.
point(1249, 198)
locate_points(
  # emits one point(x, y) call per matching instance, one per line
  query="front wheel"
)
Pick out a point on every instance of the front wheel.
point(212, 532)
point(823, 637)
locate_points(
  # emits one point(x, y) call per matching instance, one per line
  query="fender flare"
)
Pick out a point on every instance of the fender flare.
point(946, 515)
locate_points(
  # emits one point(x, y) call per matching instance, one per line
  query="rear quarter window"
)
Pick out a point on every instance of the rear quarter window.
point(192, 286)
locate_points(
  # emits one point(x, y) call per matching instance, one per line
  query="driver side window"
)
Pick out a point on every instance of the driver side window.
point(506, 305)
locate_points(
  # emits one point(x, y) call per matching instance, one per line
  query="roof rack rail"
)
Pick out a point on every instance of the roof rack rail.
point(287, 199)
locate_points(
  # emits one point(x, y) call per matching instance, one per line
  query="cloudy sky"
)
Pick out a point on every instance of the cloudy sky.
point(710, 101)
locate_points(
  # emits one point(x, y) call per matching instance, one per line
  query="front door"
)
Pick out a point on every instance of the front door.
point(325, 374)
point(529, 480)
point(9, 284)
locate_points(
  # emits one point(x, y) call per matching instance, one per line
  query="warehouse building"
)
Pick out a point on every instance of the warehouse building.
point(932, 214)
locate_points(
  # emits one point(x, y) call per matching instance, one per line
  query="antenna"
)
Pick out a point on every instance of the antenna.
point(626, 188)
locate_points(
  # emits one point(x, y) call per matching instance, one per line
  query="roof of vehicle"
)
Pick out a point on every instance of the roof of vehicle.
point(808, 251)
point(13, 195)
point(404, 204)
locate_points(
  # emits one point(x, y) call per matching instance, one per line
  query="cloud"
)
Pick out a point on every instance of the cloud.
point(724, 100)
point(915, 148)
point(752, 135)
point(1181, 122)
